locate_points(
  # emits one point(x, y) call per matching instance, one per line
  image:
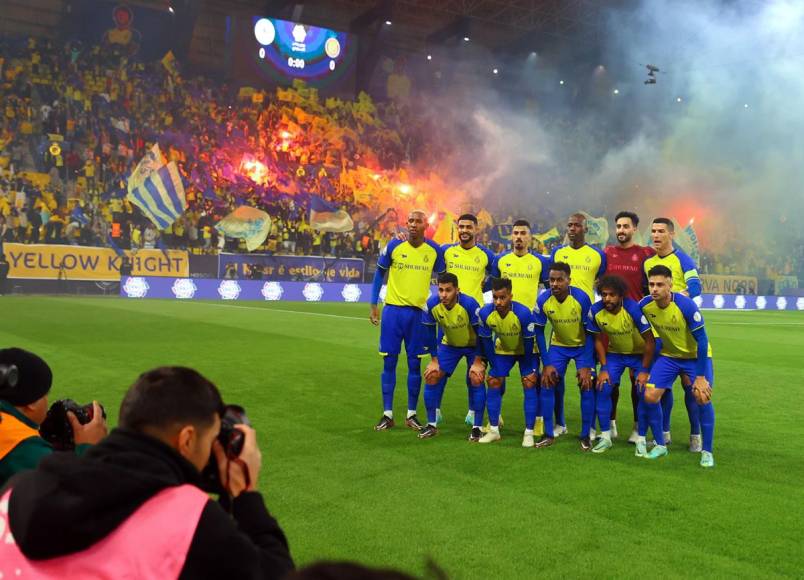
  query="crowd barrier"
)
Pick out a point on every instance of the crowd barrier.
point(276, 290)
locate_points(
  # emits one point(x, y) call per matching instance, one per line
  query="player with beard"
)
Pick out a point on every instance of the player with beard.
point(626, 259)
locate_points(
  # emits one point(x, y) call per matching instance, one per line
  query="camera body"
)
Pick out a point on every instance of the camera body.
point(9, 376)
point(56, 428)
point(232, 440)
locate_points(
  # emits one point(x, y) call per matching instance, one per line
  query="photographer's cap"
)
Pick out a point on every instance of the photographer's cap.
point(34, 377)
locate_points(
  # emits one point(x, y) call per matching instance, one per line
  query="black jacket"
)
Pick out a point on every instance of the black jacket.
point(69, 503)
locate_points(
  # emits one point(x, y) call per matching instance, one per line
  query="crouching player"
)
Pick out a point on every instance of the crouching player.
point(685, 350)
point(455, 314)
point(630, 346)
point(506, 334)
point(567, 309)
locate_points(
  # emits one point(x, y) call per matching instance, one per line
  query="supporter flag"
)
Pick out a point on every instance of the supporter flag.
point(598, 230)
point(147, 165)
point(169, 62)
point(112, 244)
point(247, 223)
point(687, 240)
point(548, 236)
point(501, 233)
point(79, 216)
point(326, 217)
point(160, 196)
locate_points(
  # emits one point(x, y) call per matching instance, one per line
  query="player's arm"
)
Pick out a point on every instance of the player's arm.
point(529, 362)
point(604, 264)
point(648, 357)
point(549, 373)
point(690, 276)
point(701, 387)
point(600, 349)
point(585, 373)
point(379, 278)
point(477, 372)
point(545, 277)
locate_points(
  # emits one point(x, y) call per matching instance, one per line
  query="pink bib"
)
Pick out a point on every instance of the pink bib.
point(152, 543)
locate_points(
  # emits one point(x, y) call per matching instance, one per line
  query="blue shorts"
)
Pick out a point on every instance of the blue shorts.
point(667, 369)
point(400, 323)
point(617, 363)
point(450, 356)
point(560, 356)
point(501, 365)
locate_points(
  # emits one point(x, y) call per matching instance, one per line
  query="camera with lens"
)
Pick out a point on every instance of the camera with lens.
point(56, 428)
point(231, 439)
point(9, 376)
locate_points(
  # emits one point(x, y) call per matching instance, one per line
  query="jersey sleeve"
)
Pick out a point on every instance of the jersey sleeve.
point(545, 278)
point(526, 321)
point(427, 313)
point(603, 262)
point(552, 257)
point(472, 308)
point(691, 312)
point(483, 330)
point(640, 320)
point(539, 318)
point(687, 266)
point(591, 323)
point(583, 300)
point(440, 264)
point(384, 261)
point(495, 267)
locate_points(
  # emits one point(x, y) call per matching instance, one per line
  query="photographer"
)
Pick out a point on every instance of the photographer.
point(25, 380)
point(131, 506)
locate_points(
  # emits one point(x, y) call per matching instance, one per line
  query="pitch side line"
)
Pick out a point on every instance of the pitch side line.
point(281, 310)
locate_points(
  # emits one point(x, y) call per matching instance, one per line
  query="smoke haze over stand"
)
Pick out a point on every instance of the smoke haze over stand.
point(736, 169)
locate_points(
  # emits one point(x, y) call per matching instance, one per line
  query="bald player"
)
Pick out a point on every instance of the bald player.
point(587, 262)
point(410, 266)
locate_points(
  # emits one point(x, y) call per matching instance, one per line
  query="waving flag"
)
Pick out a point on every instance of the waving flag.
point(248, 223)
point(147, 165)
point(160, 196)
point(326, 217)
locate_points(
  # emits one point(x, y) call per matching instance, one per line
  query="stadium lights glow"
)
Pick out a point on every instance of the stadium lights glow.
point(616, 91)
point(170, 9)
point(429, 57)
point(466, 39)
point(495, 71)
point(404, 188)
point(561, 82)
point(388, 23)
point(745, 105)
point(678, 99)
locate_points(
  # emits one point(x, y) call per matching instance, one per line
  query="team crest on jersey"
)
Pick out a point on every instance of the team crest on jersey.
point(697, 317)
point(530, 267)
point(588, 259)
point(459, 319)
point(477, 259)
point(673, 318)
point(634, 258)
point(532, 327)
point(426, 259)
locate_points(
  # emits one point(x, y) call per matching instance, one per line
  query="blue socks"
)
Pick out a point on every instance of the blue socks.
point(531, 406)
point(431, 400)
point(388, 381)
point(493, 405)
point(587, 411)
point(667, 408)
point(604, 406)
point(654, 413)
point(642, 416)
point(559, 403)
point(547, 397)
point(692, 411)
point(414, 381)
point(707, 415)
point(478, 403)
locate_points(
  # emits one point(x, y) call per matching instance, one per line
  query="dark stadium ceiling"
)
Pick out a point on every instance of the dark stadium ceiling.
point(496, 24)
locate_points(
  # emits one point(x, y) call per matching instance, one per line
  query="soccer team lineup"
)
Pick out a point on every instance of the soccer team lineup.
point(625, 316)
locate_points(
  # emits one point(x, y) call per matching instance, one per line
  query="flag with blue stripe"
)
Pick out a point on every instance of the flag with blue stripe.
point(160, 196)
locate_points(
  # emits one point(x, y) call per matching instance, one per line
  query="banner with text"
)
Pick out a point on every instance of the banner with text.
point(717, 284)
point(316, 268)
point(56, 262)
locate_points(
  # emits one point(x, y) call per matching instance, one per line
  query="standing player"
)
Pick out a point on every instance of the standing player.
point(686, 351)
point(567, 309)
point(526, 269)
point(410, 265)
point(471, 263)
point(626, 259)
point(506, 332)
point(587, 262)
point(685, 273)
point(630, 346)
point(455, 314)
point(686, 282)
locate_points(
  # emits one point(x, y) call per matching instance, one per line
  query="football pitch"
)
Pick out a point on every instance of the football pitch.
point(308, 376)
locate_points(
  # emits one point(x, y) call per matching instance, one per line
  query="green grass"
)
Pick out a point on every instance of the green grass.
point(308, 376)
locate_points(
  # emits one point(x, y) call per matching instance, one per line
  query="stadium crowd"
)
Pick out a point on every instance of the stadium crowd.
point(75, 120)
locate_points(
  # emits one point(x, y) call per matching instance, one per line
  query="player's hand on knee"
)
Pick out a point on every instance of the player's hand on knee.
point(432, 372)
point(477, 374)
point(549, 376)
point(641, 381)
point(702, 390)
point(653, 395)
point(585, 378)
point(530, 381)
point(495, 382)
point(602, 379)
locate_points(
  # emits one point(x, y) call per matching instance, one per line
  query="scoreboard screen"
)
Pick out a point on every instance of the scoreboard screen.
point(279, 51)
